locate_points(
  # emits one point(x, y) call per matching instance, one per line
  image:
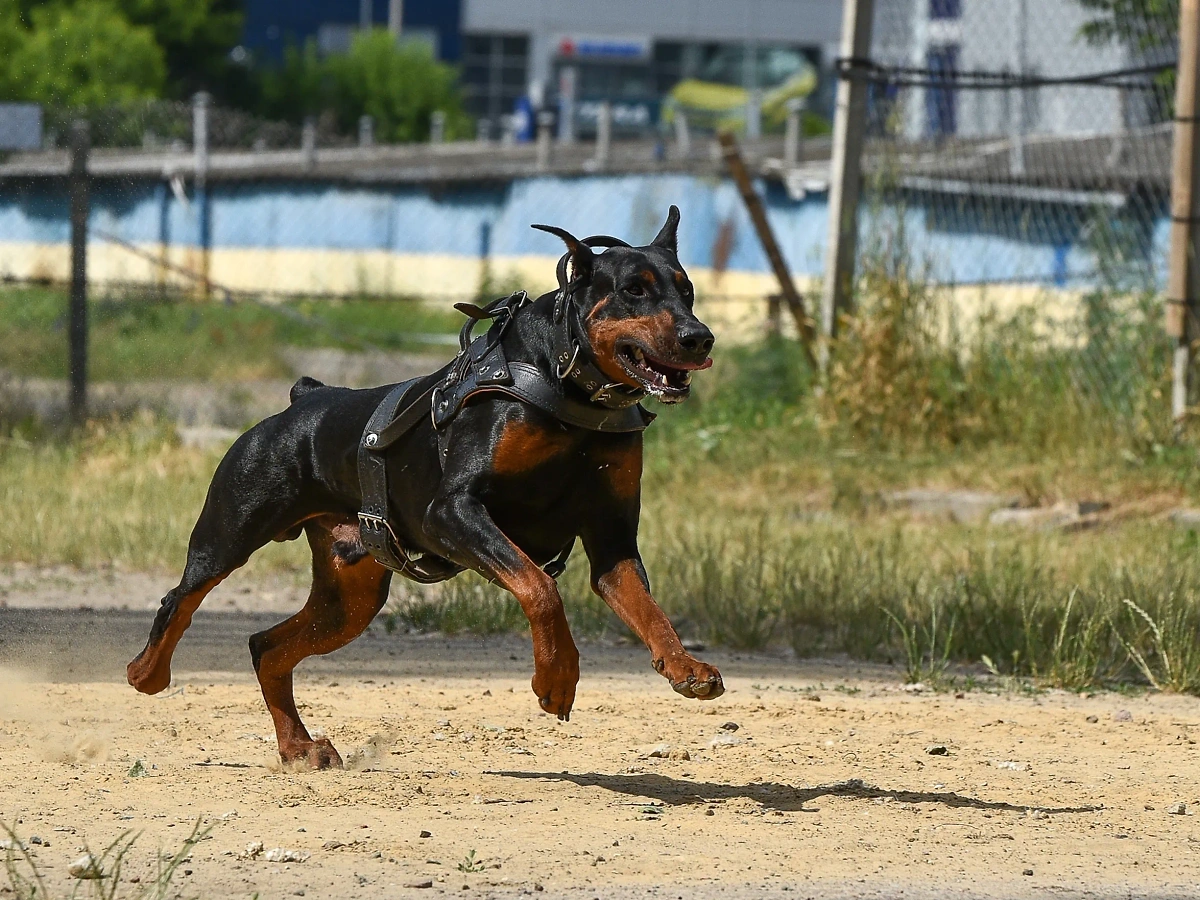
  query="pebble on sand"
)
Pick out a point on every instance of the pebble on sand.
point(86, 867)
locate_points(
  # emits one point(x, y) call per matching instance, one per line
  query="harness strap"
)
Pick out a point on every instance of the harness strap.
point(383, 429)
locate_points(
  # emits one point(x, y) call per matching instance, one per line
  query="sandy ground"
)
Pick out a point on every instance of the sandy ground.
point(827, 787)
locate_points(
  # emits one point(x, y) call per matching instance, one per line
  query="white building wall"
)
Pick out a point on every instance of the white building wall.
point(991, 37)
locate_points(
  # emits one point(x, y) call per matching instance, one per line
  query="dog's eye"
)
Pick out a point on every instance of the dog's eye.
point(635, 290)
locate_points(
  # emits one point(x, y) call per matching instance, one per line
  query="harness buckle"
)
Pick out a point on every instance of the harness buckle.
point(564, 373)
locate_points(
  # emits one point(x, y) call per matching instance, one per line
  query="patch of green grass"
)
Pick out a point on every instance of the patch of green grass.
point(104, 875)
point(144, 337)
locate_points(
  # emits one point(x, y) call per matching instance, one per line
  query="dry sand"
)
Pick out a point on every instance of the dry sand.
point(827, 788)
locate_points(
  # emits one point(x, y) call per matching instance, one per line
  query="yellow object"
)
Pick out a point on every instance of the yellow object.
point(710, 104)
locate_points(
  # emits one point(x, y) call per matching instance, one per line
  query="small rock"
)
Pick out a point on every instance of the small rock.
point(426, 834)
point(695, 646)
point(466, 737)
point(916, 688)
point(730, 726)
point(332, 845)
point(680, 754)
point(280, 855)
point(1038, 814)
point(1093, 719)
point(443, 723)
point(1122, 715)
point(723, 740)
point(11, 845)
point(1027, 872)
point(1012, 766)
point(86, 867)
point(1178, 808)
point(1186, 518)
point(34, 839)
point(137, 770)
point(964, 507)
point(662, 751)
point(253, 849)
point(710, 812)
point(938, 750)
point(427, 883)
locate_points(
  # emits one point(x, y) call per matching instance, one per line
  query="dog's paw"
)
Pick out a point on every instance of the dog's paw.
point(318, 754)
point(148, 676)
point(555, 689)
point(691, 678)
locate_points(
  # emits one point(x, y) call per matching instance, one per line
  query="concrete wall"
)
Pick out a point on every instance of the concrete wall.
point(329, 238)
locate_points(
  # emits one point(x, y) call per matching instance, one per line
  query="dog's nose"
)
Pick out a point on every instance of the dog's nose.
point(695, 338)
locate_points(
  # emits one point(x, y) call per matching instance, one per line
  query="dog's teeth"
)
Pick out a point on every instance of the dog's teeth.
point(687, 378)
point(638, 355)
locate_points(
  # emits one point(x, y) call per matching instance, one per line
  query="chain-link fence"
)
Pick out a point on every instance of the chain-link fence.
point(1018, 156)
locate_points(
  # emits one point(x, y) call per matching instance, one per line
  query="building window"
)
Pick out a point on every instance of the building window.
point(941, 103)
point(495, 74)
point(945, 9)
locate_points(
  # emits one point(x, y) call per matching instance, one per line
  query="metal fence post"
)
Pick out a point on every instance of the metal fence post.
point(366, 131)
point(683, 135)
point(308, 141)
point(78, 329)
point(437, 126)
point(1183, 287)
point(603, 134)
point(849, 129)
point(545, 123)
point(754, 103)
point(200, 104)
point(793, 131)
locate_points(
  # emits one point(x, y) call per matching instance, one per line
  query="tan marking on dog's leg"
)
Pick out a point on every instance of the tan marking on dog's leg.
point(343, 601)
point(625, 592)
point(150, 670)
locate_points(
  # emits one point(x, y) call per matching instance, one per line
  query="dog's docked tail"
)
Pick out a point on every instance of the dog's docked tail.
point(304, 386)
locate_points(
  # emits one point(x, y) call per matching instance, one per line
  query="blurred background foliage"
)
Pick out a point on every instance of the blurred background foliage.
point(89, 55)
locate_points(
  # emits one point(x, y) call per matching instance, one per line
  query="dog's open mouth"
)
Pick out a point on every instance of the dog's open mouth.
point(666, 379)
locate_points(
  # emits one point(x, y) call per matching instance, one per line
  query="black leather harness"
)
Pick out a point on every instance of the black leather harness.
point(481, 367)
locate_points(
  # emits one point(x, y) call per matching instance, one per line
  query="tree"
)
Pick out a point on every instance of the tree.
point(399, 85)
point(195, 36)
point(77, 55)
point(1144, 24)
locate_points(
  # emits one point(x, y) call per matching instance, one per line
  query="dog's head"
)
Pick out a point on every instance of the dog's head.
point(635, 308)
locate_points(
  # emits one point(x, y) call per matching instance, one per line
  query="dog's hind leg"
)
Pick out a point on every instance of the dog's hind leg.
point(348, 589)
point(227, 532)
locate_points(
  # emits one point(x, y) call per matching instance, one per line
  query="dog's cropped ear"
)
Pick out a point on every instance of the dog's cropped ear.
point(580, 253)
point(667, 238)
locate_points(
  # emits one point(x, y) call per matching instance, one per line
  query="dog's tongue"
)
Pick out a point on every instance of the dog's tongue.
point(707, 364)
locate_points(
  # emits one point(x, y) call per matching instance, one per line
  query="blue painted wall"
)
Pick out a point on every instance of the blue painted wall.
point(961, 241)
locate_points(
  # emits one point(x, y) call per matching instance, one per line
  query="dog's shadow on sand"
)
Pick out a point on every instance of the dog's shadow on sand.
point(772, 795)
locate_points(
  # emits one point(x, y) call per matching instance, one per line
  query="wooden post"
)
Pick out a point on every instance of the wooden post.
point(1183, 283)
point(845, 179)
point(200, 104)
point(758, 215)
point(77, 331)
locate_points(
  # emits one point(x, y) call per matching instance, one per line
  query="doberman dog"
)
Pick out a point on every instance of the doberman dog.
point(494, 479)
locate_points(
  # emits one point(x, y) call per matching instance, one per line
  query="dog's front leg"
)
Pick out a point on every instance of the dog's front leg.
point(462, 525)
point(624, 587)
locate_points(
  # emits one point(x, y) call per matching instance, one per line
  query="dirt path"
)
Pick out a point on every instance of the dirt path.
point(826, 788)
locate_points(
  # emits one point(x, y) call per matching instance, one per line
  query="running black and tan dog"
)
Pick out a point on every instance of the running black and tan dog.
point(530, 439)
